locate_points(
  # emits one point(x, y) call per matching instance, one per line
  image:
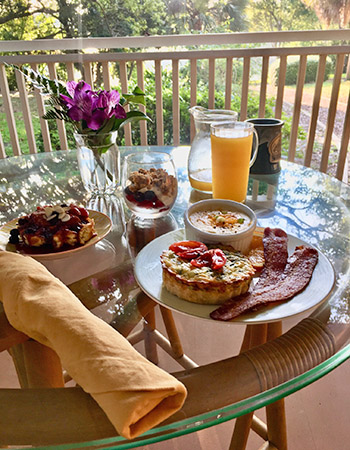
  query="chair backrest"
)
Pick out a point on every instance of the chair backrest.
point(325, 119)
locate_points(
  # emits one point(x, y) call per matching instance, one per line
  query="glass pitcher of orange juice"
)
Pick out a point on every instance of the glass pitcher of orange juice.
point(199, 160)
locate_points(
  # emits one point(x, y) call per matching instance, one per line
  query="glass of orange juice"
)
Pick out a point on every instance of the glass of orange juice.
point(232, 156)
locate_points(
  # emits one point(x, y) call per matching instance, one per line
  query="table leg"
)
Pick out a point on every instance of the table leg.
point(254, 335)
point(246, 339)
point(37, 366)
point(149, 325)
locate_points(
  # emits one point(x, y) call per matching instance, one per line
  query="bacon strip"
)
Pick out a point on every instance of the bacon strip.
point(275, 287)
point(275, 254)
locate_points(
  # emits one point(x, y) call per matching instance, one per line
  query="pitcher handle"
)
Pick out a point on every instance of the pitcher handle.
point(256, 145)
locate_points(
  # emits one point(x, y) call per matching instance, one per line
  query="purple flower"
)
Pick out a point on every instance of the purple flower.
point(95, 108)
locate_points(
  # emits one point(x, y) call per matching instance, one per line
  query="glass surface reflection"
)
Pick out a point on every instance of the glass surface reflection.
point(306, 204)
point(142, 231)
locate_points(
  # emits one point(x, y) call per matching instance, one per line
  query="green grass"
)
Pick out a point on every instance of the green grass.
point(22, 134)
point(327, 89)
point(21, 131)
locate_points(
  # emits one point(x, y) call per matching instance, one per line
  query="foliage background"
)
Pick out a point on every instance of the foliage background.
point(38, 19)
point(33, 19)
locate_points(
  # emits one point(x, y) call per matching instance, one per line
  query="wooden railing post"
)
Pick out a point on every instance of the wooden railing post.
point(200, 52)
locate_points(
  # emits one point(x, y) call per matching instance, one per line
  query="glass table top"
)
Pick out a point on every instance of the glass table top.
point(308, 205)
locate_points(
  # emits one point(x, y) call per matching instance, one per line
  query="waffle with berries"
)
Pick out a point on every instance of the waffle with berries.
point(54, 226)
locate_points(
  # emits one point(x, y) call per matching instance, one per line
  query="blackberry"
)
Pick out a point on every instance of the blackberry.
point(14, 232)
point(47, 234)
point(22, 221)
point(14, 240)
point(54, 219)
point(139, 196)
point(14, 236)
point(30, 231)
point(150, 195)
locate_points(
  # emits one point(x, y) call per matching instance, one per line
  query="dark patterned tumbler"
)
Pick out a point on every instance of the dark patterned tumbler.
point(270, 140)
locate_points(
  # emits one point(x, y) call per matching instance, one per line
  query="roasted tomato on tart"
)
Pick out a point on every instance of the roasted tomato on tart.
point(205, 274)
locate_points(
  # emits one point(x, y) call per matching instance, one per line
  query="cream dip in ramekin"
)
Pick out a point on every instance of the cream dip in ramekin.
point(212, 221)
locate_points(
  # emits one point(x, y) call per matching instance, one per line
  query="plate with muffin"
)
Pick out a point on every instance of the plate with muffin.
point(273, 277)
point(54, 231)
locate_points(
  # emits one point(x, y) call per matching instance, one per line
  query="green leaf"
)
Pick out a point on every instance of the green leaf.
point(108, 125)
point(138, 115)
point(115, 124)
point(135, 116)
point(138, 91)
point(137, 96)
point(56, 114)
point(46, 86)
point(118, 123)
point(137, 99)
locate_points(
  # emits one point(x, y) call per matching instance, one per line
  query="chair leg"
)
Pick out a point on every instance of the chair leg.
point(17, 355)
point(268, 446)
point(241, 432)
point(173, 335)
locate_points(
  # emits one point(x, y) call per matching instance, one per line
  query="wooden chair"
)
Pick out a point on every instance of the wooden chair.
point(45, 416)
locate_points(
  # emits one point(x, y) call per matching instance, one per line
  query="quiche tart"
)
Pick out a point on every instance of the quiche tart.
point(204, 284)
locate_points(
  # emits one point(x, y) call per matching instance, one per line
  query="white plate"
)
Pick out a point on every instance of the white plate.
point(103, 226)
point(148, 273)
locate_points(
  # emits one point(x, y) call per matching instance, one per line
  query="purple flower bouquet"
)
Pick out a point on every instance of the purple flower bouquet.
point(90, 112)
point(96, 117)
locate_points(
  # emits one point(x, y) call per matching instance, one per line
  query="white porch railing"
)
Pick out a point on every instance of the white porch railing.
point(156, 50)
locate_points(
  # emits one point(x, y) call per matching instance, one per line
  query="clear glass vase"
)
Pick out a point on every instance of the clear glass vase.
point(99, 162)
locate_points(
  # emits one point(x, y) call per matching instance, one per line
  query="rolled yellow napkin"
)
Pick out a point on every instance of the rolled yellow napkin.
point(135, 394)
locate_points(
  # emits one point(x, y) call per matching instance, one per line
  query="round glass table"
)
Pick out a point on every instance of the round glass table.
point(277, 357)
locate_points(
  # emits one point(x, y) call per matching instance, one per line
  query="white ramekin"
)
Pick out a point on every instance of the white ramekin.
point(239, 241)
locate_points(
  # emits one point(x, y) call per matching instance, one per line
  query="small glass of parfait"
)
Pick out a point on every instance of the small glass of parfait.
point(149, 183)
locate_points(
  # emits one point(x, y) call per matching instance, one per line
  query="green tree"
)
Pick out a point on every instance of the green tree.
point(186, 16)
point(281, 15)
point(25, 20)
point(38, 19)
point(18, 10)
point(127, 18)
point(81, 18)
point(237, 19)
point(331, 11)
